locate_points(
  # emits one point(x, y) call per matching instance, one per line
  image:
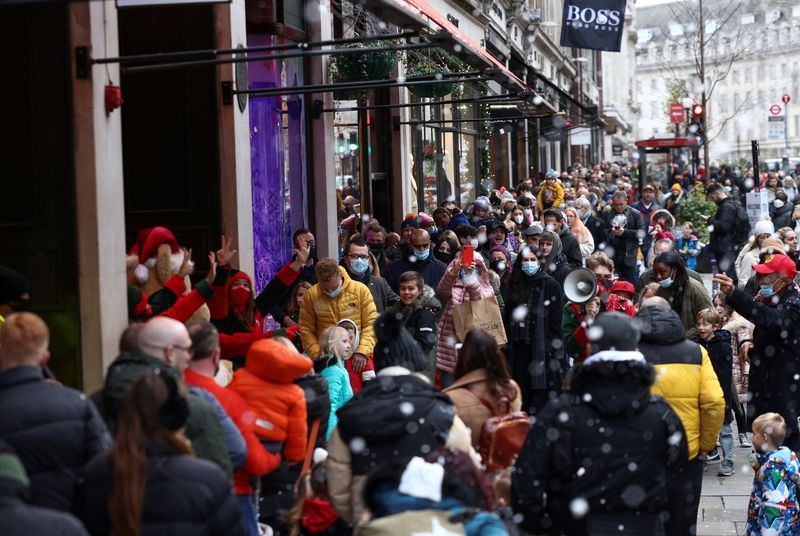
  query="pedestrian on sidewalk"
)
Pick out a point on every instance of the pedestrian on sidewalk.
point(773, 502)
point(774, 360)
point(717, 343)
point(686, 378)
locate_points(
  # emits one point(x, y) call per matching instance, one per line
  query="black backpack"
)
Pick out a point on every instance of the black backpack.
point(741, 226)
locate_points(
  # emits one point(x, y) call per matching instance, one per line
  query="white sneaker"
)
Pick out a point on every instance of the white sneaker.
point(744, 441)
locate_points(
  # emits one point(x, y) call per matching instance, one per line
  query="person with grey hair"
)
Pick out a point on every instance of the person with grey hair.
point(596, 226)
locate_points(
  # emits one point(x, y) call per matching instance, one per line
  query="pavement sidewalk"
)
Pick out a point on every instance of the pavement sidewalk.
point(723, 503)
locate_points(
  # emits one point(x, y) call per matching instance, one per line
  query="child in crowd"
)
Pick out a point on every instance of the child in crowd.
point(688, 245)
point(336, 346)
point(357, 379)
point(773, 501)
point(312, 512)
point(717, 342)
point(741, 341)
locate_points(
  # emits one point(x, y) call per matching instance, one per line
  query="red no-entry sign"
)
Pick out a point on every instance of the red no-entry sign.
point(676, 113)
point(786, 99)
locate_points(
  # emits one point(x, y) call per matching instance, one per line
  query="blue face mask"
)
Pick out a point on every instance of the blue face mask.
point(766, 290)
point(335, 292)
point(530, 267)
point(665, 283)
point(359, 266)
point(423, 255)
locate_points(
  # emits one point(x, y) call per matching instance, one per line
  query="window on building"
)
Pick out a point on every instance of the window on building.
point(654, 83)
point(797, 125)
point(760, 72)
point(736, 79)
point(784, 72)
point(748, 75)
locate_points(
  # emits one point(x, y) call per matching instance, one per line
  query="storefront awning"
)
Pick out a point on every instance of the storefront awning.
point(420, 14)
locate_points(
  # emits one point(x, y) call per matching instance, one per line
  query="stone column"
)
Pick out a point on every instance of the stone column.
point(234, 142)
point(321, 135)
point(99, 192)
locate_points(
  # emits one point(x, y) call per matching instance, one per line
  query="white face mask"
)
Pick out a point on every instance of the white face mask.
point(778, 203)
point(519, 219)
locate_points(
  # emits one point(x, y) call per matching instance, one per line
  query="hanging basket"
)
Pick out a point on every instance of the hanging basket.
point(440, 90)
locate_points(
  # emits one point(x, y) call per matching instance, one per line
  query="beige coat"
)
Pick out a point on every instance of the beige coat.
point(345, 489)
point(469, 407)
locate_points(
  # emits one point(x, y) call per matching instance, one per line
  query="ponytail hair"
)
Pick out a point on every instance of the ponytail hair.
point(153, 400)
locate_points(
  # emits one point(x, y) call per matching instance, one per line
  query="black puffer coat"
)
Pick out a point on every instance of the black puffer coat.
point(184, 495)
point(55, 431)
point(774, 359)
point(21, 519)
point(607, 445)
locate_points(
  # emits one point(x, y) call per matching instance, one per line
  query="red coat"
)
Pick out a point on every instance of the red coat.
point(259, 460)
point(279, 405)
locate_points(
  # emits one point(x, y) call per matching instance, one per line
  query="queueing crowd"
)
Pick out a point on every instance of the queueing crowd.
point(545, 360)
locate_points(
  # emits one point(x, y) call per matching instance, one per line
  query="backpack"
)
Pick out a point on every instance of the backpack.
point(741, 226)
point(502, 434)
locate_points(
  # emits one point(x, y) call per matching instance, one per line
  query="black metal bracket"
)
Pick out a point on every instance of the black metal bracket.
point(83, 68)
point(227, 93)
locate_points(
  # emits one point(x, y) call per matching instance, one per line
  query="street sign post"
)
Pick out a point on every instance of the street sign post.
point(786, 99)
point(776, 127)
point(676, 113)
point(775, 109)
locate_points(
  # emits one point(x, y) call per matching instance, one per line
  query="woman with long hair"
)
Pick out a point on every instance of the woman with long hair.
point(748, 256)
point(482, 373)
point(686, 295)
point(150, 482)
point(579, 230)
point(292, 305)
point(533, 327)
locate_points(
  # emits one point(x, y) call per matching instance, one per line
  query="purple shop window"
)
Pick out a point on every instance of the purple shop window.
point(278, 162)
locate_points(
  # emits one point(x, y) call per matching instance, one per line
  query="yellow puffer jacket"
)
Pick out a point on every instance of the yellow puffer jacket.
point(684, 377)
point(319, 311)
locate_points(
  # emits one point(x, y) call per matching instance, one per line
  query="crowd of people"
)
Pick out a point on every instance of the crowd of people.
point(544, 360)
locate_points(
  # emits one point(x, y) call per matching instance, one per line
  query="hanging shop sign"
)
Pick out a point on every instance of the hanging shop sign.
point(593, 24)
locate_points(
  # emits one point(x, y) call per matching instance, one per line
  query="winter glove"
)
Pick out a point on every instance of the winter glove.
point(289, 333)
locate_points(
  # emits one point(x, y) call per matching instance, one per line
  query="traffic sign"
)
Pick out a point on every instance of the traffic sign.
point(775, 127)
point(775, 109)
point(676, 114)
point(786, 99)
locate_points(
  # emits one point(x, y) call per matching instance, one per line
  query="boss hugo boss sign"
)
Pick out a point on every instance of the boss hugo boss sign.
point(593, 24)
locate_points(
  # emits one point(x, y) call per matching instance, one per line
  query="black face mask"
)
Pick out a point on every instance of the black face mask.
point(498, 267)
point(376, 249)
point(446, 258)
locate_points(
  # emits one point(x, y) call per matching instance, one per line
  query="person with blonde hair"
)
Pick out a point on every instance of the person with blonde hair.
point(335, 347)
point(55, 430)
point(579, 230)
point(773, 501)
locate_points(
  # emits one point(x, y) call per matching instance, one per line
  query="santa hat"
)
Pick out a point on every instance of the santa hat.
point(145, 250)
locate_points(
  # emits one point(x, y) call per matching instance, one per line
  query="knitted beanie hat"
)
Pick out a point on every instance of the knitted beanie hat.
point(396, 347)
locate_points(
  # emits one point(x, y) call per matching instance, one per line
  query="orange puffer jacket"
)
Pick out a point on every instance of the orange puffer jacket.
point(279, 405)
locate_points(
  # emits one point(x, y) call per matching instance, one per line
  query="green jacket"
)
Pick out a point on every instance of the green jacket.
point(202, 427)
point(695, 299)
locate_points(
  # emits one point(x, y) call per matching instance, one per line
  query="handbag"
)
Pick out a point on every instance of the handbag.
point(502, 434)
point(482, 314)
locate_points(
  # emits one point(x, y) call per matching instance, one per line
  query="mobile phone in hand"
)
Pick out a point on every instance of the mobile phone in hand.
point(467, 255)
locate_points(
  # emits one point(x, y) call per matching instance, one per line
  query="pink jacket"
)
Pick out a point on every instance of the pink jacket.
point(452, 291)
point(741, 330)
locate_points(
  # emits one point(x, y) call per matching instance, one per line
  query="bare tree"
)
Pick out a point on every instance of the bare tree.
point(712, 39)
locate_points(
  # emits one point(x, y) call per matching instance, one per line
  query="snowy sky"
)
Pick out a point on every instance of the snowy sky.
point(645, 3)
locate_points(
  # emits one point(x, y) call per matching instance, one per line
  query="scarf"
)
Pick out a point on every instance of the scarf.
point(530, 330)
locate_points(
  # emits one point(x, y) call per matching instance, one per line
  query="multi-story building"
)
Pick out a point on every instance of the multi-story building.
point(752, 60)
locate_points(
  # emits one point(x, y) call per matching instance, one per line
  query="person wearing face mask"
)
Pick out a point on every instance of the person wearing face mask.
point(14, 297)
point(239, 314)
point(554, 263)
point(356, 260)
point(533, 327)
point(595, 225)
point(460, 284)
point(446, 248)
point(499, 272)
point(774, 361)
point(498, 235)
point(418, 258)
point(336, 297)
point(781, 213)
point(686, 296)
point(375, 237)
